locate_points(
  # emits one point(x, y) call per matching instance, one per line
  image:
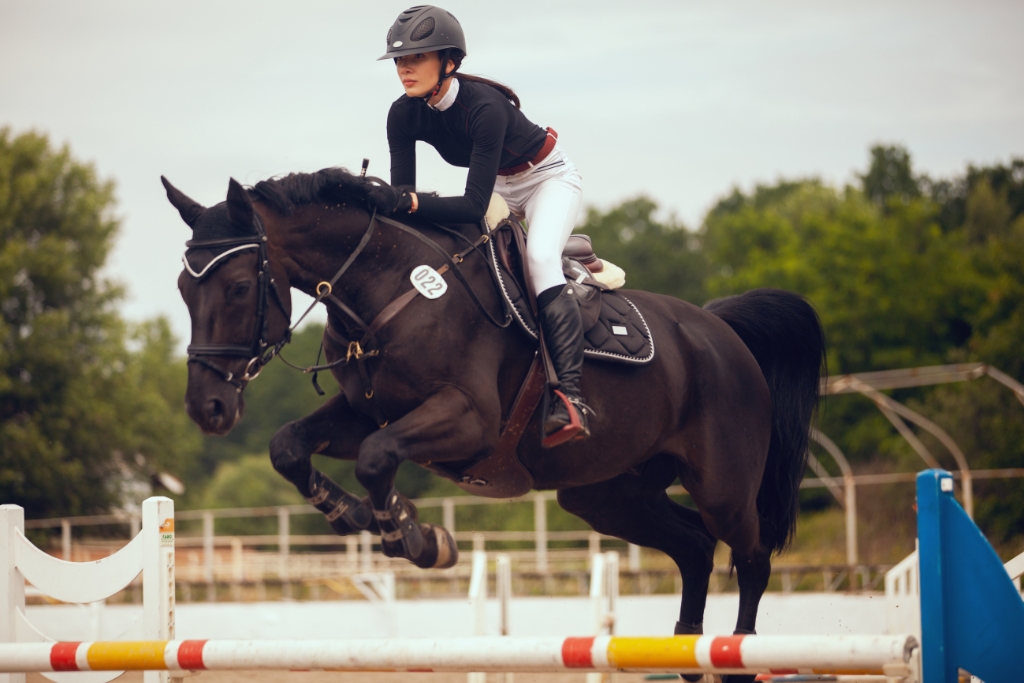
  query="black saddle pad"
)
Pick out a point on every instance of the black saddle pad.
point(615, 329)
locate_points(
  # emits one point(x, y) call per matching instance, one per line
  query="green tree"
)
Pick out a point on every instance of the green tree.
point(84, 412)
point(657, 256)
point(890, 177)
point(891, 289)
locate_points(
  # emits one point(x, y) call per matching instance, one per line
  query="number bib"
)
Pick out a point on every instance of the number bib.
point(428, 282)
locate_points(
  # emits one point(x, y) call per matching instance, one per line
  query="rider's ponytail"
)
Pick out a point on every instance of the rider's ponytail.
point(456, 56)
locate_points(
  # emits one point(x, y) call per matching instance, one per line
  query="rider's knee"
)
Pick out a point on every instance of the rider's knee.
point(544, 262)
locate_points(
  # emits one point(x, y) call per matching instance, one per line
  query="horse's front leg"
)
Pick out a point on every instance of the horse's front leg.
point(334, 430)
point(446, 426)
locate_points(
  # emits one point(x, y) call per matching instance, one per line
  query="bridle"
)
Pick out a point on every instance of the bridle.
point(259, 352)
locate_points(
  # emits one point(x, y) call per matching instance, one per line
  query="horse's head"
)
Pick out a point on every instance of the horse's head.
point(239, 302)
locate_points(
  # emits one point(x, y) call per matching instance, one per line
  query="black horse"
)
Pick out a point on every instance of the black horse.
point(725, 405)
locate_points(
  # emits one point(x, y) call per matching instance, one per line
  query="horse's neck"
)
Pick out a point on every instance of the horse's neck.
point(315, 241)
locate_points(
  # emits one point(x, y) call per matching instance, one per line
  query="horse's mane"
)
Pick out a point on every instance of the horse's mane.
point(295, 189)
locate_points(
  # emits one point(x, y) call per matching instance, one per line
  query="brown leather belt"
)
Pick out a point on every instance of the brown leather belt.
point(549, 144)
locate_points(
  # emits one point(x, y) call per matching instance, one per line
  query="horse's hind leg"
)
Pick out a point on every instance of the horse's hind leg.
point(334, 430)
point(635, 508)
point(730, 513)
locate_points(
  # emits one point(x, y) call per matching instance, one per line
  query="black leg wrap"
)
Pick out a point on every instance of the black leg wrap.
point(743, 632)
point(345, 513)
point(398, 522)
point(425, 545)
point(682, 629)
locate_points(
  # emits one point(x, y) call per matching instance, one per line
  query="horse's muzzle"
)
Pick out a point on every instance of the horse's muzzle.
point(215, 407)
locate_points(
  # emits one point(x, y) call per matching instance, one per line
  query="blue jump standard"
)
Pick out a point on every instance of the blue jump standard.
point(972, 616)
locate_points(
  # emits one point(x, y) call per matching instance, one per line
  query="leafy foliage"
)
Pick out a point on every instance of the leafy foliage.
point(657, 256)
point(86, 403)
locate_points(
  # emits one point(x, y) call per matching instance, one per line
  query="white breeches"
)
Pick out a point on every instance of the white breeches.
point(549, 196)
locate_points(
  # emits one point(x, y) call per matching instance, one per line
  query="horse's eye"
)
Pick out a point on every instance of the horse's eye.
point(240, 290)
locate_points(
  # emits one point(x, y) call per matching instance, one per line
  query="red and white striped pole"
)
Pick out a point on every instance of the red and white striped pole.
point(871, 655)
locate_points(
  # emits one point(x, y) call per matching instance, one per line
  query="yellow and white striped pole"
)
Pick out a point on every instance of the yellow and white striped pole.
point(865, 655)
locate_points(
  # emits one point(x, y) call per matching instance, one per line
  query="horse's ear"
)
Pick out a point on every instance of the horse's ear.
point(189, 209)
point(239, 205)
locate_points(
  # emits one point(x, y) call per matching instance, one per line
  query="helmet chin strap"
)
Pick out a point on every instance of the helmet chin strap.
point(441, 77)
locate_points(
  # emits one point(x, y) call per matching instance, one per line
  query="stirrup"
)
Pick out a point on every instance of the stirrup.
point(574, 431)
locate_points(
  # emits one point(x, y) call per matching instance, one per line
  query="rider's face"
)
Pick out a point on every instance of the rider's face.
point(418, 73)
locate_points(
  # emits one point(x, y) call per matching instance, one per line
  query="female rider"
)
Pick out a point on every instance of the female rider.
point(476, 123)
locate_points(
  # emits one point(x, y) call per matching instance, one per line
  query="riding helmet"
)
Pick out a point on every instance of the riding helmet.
point(424, 28)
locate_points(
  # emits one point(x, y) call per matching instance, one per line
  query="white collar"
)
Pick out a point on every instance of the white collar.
point(449, 97)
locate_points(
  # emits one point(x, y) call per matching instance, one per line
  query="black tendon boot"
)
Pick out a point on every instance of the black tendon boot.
point(562, 326)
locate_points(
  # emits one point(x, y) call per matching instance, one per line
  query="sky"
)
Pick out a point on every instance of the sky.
point(678, 100)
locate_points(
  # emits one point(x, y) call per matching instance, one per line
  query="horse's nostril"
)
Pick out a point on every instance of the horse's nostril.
point(215, 408)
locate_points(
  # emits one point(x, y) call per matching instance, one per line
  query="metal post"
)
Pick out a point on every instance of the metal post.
point(448, 514)
point(284, 550)
point(612, 578)
point(634, 558)
point(598, 595)
point(351, 552)
point(65, 540)
point(504, 590)
point(211, 587)
point(593, 543)
point(540, 531)
point(237, 567)
point(850, 493)
point(366, 554)
point(478, 598)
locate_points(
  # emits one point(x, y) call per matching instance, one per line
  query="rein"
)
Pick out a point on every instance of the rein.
point(260, 352)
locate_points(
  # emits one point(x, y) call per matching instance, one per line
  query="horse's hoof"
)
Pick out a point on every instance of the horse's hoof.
point(447, 550)
point(690, 629)
point(439, 550)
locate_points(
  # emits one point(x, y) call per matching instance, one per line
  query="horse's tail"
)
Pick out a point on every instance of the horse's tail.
point(784, 333)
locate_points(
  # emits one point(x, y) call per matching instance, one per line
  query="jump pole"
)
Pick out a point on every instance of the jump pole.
point(870, 655)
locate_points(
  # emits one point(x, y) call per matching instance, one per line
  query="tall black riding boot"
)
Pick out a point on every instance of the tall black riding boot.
point(562, 327)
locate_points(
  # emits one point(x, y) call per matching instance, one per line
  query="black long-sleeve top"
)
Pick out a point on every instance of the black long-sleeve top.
point(481, 130)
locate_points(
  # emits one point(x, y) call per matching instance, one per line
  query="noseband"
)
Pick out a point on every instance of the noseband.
point(259, 352)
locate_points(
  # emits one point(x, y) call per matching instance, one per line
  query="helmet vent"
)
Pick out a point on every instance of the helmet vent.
point(452, 16)
point(423, 30)
point(408, 14)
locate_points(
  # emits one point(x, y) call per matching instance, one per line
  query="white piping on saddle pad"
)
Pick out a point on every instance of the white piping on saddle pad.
point(215, 260)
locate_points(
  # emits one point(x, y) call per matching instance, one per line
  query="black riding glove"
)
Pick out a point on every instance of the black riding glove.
point(388, 200)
